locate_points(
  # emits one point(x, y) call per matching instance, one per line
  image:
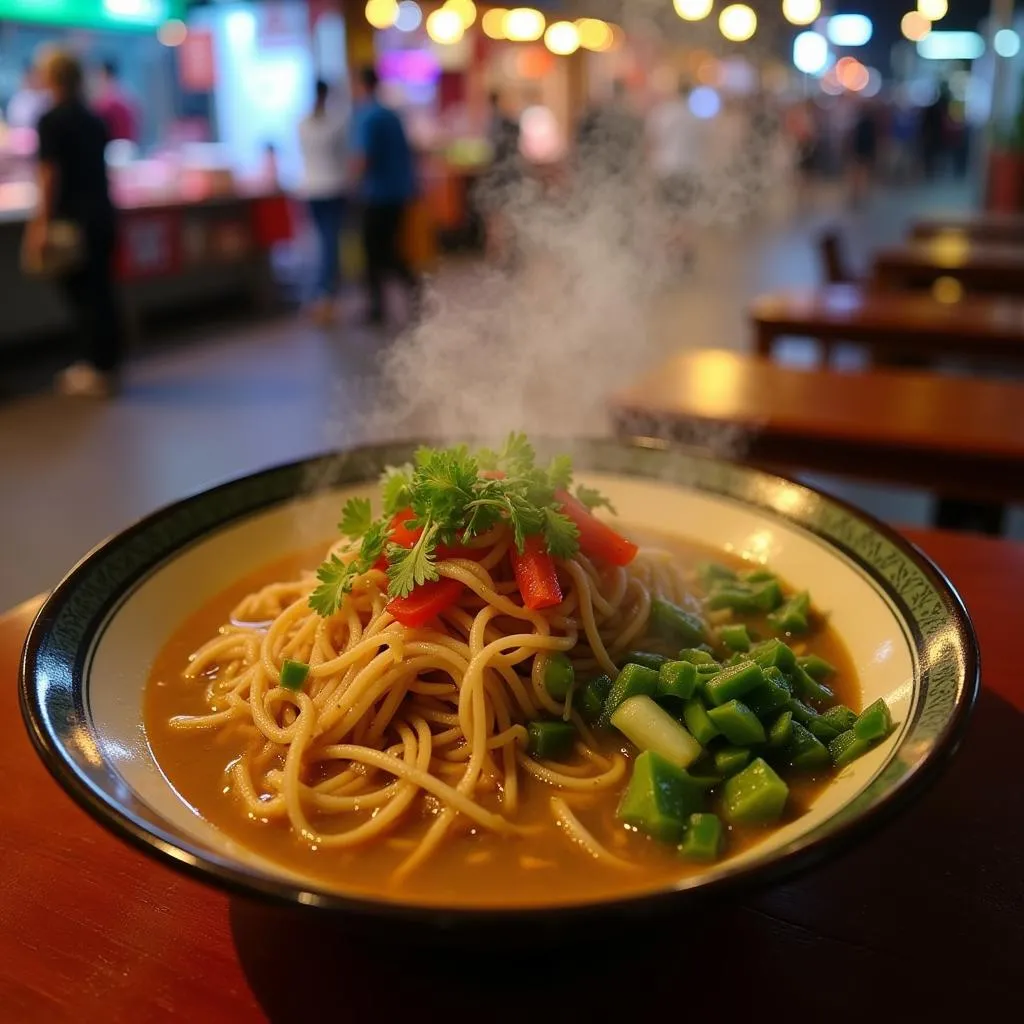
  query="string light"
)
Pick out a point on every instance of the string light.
point(172, 33)
point(465, 9)
point(382, 14)
point(595, 34)
point(693, 10)
point(523, 25)
point(444, 26)
point(933, 10)
point(562, 38)
point(801, 12)
point(915, 26)
point(737, 23)
point(493, 23)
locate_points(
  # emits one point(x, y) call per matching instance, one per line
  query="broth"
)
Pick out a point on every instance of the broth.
point(474, 868)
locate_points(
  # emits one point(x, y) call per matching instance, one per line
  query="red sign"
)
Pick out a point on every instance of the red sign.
point(149, 245)
point(197, 65)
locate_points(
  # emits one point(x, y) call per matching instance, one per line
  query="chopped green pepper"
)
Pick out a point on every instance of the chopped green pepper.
point(822, 729)
point(774, 653)
point(773, 695)
point(816, 668)
point(293, 674)
point(703, 838)
point(558, 675)
point(735, 637)
point(737, 723)
point(697, 721)
point(847, 747)
point(748, 599)
point(632, 681)
point(550, 740)
point(793, 616)
point(805, 751)
point(840, 718)
point(734, 681)
point(874, 722)
point(590, 700)
point(710, 573)
point(755, 795)
point(729, 760)
point(659, 798)
point(672, 623)
point(702, 655)
point(645, 658)
point(808, 687)
point(780, 733)
point(677, 679)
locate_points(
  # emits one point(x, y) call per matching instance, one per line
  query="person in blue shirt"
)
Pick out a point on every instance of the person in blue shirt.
point(386, 169)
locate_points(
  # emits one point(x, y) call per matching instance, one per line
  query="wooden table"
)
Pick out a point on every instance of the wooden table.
point(960, 436)
point(892, 323)
point(978, 226)
point(926, 915)
point(985, 269)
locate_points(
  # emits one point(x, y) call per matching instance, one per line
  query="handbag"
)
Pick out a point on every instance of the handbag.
point(62, 252)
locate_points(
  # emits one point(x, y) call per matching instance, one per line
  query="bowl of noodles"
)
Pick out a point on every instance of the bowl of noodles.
point(457, 684)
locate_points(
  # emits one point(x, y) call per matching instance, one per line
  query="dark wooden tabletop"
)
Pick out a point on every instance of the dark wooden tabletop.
point(925, 915)
point(979, 267)
point(978, 226)
point(961, 436)
point(910, 321)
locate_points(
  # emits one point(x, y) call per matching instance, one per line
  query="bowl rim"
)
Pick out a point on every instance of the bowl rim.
point(225, 875)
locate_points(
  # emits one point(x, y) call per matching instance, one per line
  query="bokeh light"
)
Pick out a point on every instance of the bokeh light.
point(410, 17)
point(810, 53)
point(493, 23)
point(465, 9)
point(915, 26)
point(595, 34)
point(444, 26)
point(562, 38)
point(874, 84)
point(172, 33)
point(693, 10)
point(1006, 43)
point(933, 10)
point(381, 14)
point(523, 24)
point(801, 12)
point(947, 290)
point(852, 74)
point(705, 102)
point(737, 23)
point(849, 29)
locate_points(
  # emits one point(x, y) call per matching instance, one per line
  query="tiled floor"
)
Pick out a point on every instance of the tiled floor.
point(201, 409)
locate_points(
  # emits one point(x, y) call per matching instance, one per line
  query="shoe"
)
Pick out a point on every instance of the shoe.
point(81, 380)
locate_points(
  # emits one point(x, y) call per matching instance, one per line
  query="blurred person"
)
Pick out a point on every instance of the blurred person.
point(610, 137)
point(503, 176)
point(903, 142)
point(116, 108)
point(863, 152)
point(802, 129)
point(73, 189)
point(386, 170)
point(674, 143)
point(934, 119)
point(30, 101)
point(323, 140)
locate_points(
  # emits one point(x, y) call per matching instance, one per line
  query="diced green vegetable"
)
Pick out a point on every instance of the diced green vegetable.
point(746, 598)
point(632, 681)
point(558, 675)
point(729, 760)
point(780, 733)
point(760, 576)
point(794, 615)
point(774, 653)
point(772, 696)
point(808, 687)
point(840, 718)
point(735, 637)
point(659, 798)
point(293, 674)
point(805, 751)
point(590, 700)
point(672, 623)
point(645, 658)
point(755, 795)
point(549, 740)
point(652, 728)
point(874, 723)
point(737, 723)
point(703, 838)
point(801, 712)
point(677, 679)
point(734, 682)
point(824, 731)
point(816, 668)
point(710, 573)
point(699, 656)
point(695, 716)
point(736, 658)
point(847, 747)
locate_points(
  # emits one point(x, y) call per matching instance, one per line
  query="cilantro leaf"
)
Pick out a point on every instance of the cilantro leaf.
point(518, 455)
point(374, 541)
point(356, 517)
point(561, 534)
point(409, 568)
point(335, 581)
point(593, 498)
point(396, 488)
point(560, 473)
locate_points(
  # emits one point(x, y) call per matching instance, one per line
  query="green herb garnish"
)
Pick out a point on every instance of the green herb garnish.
point(452, 502)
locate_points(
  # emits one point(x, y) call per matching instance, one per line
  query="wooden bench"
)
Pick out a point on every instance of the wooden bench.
point(982, 269)
point(962, 438)
point(893, 323)
point(992, 228)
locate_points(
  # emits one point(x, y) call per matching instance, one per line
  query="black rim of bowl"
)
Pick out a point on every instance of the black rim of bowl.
point(227, 875)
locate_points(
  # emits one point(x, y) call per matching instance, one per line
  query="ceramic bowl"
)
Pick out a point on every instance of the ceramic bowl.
point(90, 650)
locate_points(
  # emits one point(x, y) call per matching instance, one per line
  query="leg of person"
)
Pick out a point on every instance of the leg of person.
point(375, 226)
point(107, 341)
point(333, 211)
point(397, 263)
point(320, 214)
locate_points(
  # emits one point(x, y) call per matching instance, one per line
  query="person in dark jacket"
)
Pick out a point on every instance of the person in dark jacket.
point(73, 190)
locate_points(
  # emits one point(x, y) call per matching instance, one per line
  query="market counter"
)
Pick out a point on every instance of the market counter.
point(171, 255)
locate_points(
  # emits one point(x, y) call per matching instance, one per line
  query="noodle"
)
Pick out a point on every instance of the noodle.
point(395, 722)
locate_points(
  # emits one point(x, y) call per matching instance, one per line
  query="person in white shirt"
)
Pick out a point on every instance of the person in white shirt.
point(674, 144)
point(323, 140)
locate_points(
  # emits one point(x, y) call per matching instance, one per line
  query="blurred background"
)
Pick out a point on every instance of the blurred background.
point(750, 148)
